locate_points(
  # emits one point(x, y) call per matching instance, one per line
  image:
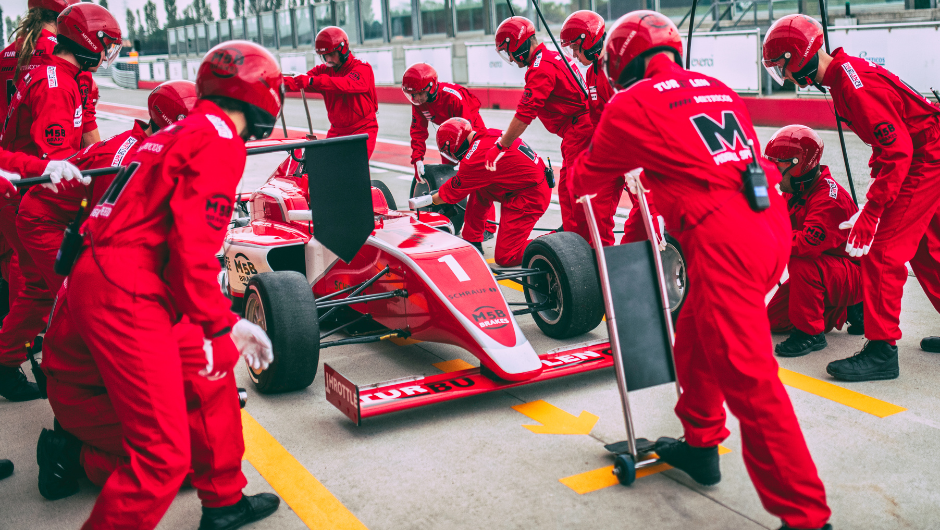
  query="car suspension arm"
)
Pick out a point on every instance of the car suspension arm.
point(358, 290)
point(397, 293)
point(394, 334)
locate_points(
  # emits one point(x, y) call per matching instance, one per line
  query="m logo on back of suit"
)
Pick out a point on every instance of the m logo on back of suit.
point(720, 136)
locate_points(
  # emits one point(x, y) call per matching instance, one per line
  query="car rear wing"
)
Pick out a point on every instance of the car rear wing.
point(366, 401)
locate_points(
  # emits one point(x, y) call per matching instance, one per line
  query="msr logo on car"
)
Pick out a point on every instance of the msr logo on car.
point(488, 317)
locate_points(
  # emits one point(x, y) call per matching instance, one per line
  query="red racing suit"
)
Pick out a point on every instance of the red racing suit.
point(693, 156)
point(600, 91)
point(27, 166)
point(452, 101)
point(149, 260)
point(903, 129)
point(824, 280)
point(551, 95)
point(349, 94)
point(44, 120)
point(518, 186)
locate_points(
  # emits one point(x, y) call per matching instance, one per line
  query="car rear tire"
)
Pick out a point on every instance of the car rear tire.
point(677, 279)
point(387, 192)
point(572, 282)
point(283, 304)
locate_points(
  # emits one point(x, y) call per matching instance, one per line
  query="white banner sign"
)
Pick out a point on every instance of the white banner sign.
point(293, 63)
point(486, 68)
point(381, 61)
point(176, 70)
point(910, 51)
point(159, 71)
point(143, 70)
point(732, 57)
point(440, 56)
point(192, 68)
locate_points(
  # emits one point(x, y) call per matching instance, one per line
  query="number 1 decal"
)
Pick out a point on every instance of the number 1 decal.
point(455, 268)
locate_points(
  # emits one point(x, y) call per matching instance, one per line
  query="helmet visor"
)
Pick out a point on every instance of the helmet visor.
point(449, 157)
point(570, 48)
point(111, 53)
point(416, 98)
point(777, 68)
point(505, 55)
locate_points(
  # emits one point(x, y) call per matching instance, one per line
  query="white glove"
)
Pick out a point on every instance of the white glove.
point(419, 171)
point(420, 202)
point(847, 225)
point(253, 343)
point(633, 180)
point(662, 232)
point(59, 170)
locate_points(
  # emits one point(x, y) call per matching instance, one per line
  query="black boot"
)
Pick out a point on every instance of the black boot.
point(931, 344)
point(247, 510)
point(826, 527)
point(856, 317)
point(701, 464)
point(60, 467)
point(877, 360)
point(477, 245)
point(6, 468)
point(15, 387)
point(799, 344)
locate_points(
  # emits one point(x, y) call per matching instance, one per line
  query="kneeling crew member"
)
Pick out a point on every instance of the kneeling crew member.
point(347, 85)
point(900, 223)
point(825, 282)
point(695, 158)
point(518, 185)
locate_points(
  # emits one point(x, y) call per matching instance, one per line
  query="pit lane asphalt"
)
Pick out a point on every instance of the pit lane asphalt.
point(470, 463)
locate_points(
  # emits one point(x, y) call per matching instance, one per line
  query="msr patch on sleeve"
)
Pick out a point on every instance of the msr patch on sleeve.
point(885, 133)
point(54, 135)
point(814, 235)
point(218, 211)
point(853, 76)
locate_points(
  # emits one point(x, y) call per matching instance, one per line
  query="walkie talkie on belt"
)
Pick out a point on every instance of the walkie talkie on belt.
point(755, 183)
point(549, 174)
point(71, 243)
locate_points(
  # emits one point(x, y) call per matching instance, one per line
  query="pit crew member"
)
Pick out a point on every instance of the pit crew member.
point(824, 286)
point(147, 262)
point(900, 222)
point(552, 95)
point(518, 185)
point(347, 85)
point(694, 157)
point(44, 121)
point(436, 102)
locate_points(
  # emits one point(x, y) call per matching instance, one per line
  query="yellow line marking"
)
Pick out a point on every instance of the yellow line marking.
point(836, 393)
point(454, 365)
point(555, 420)
point(309, 499)
point(604, 477)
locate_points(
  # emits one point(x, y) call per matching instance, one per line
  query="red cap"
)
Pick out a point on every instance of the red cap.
point(51, 5)
point(246, 72)
point(791, 45)
point(452, 138)
point(799, 146)
point(586, 29)
point(90, 29)
point(633, 37)
point(171, 102)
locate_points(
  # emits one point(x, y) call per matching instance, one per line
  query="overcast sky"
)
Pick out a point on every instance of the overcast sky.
point(12, 8)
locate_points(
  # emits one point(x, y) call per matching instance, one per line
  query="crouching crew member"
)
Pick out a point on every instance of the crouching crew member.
point(900, 223)
point(554, 97)
point(148, 262)
point(824, 287)
point(45, 121)
point(347, 85)
point(519, 186)
point(694, 157)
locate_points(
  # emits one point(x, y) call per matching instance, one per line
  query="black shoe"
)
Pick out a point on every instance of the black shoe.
point(15, 387)
point(6, 468)
point(826, 527)
point(800, 343)
point(701, 464)
point(59, 465)
point(856, 318)
point(931, 344)
point(877, 360)
point(247, 510)
point(477, 245)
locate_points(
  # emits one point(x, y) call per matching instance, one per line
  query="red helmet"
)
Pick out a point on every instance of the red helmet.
point(452, 138)
point(332, 39)
point(799, 146)
point(586, 29)
point(634, 37)
point(512, 39)
point(790, 46)
point(51, 5)
point(246, 72)
point(419, 78)
point(88, 29)
point(171, 101)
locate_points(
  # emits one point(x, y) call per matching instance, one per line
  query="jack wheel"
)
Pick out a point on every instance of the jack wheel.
point(625, 469)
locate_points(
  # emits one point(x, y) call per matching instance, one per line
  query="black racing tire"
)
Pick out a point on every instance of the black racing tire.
point(283, 304)
point(572, 281)
point(387, 192)
point(676, 274)
point(454, 212)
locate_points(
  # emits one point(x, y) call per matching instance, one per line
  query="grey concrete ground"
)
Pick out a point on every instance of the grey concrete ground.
point(471, 464)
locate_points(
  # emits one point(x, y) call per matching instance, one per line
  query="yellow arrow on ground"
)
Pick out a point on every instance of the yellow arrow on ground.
point(556, 421)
